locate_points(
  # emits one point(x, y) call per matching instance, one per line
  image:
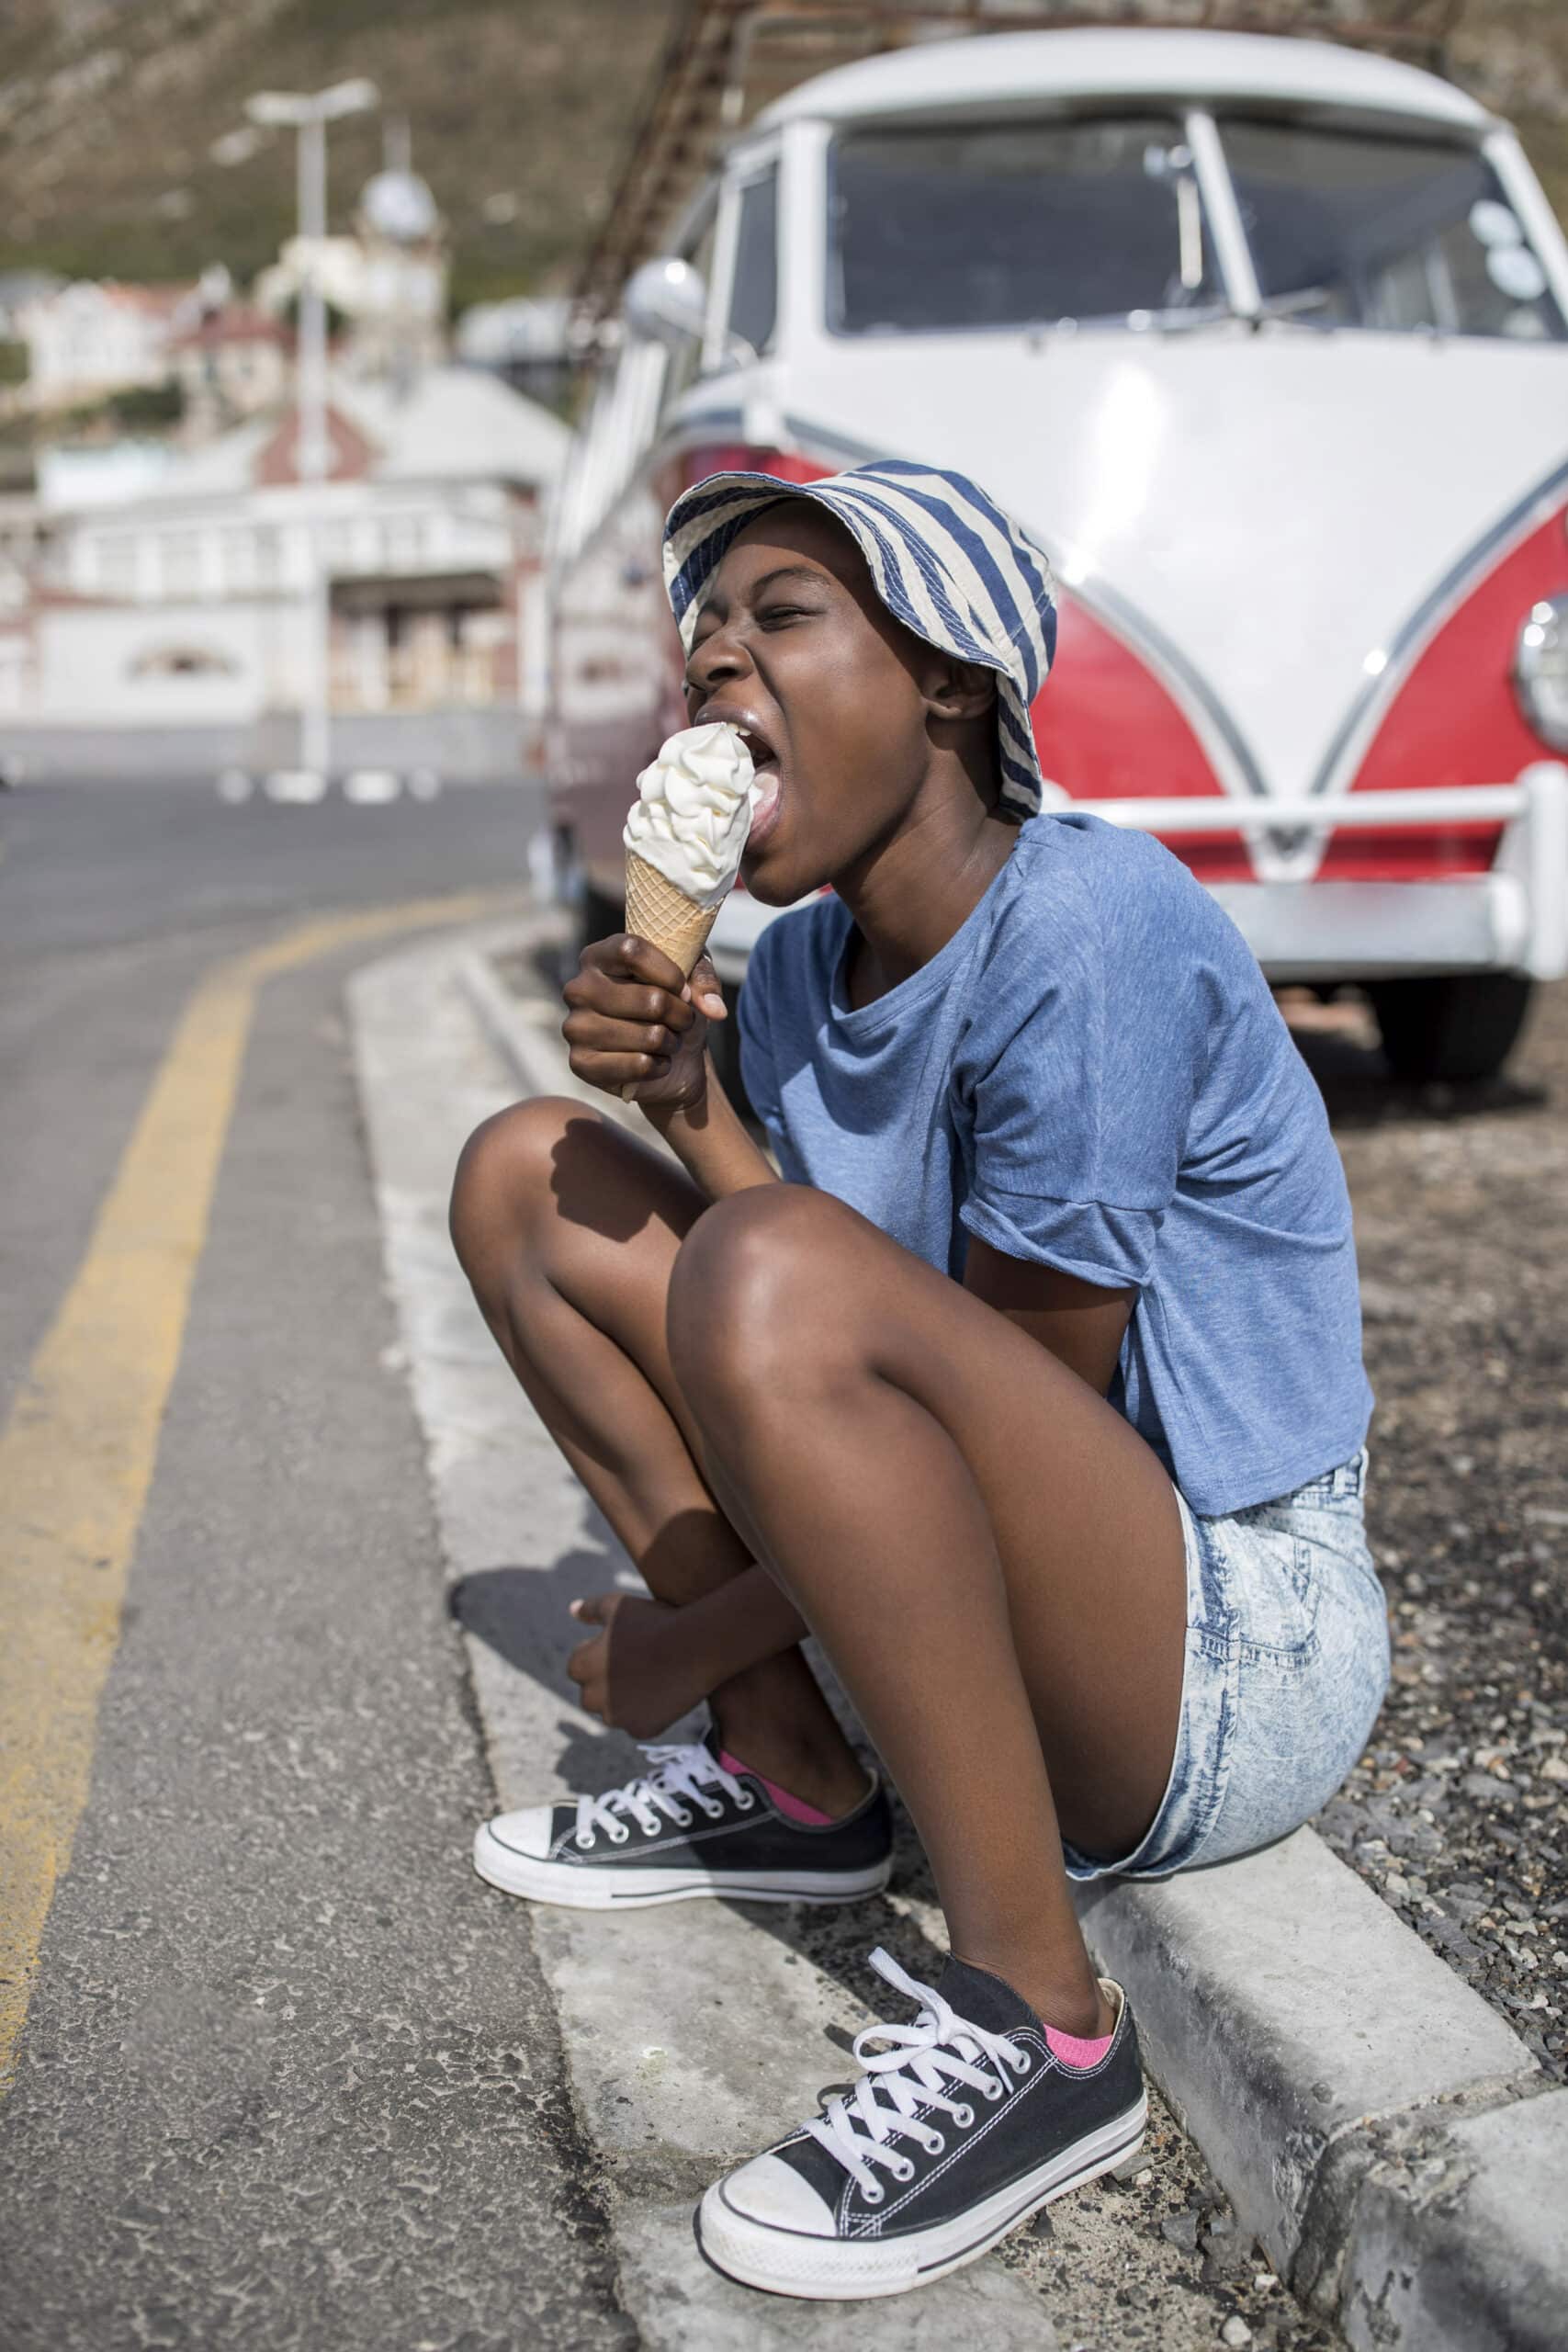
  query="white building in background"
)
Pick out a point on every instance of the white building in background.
point(19, 288)
point(19, 552)
point(184, 602)
point(231, 362)
point(387, 281)
point(156, 602)
point(400, 325)
point(87, 340)
point(337, 264)
point(73, 475)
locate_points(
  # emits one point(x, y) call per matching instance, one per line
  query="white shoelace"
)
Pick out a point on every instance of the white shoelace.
point(676, 1773)
point(857, 2129)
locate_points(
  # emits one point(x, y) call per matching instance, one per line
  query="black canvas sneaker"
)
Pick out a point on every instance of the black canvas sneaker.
point(959, 2131)
point(689, 1828)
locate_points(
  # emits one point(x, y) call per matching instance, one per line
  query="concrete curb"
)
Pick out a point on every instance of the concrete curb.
point(1372, 2119)
point(1313, 2045)
point(1464, 2239)
point(669, 2068)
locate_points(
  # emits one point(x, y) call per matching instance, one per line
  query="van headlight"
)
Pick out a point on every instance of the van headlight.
point(1540, 670)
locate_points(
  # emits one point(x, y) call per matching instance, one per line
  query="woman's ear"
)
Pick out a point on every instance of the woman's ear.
point(959, 690)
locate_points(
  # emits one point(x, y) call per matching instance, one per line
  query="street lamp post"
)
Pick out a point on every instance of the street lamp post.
point(313, 455)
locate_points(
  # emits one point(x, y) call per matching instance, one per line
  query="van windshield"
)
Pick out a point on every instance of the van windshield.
point(1005, 224)
point(1388, 234)
point(1098, 218)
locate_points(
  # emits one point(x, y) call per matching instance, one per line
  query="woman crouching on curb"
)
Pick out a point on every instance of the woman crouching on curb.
point(1033, 1390)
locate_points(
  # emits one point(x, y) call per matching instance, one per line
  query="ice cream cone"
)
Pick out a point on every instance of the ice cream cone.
point(691, 814)
point(664, 916)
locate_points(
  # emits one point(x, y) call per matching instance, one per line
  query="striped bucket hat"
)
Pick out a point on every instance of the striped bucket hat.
point(943, 559)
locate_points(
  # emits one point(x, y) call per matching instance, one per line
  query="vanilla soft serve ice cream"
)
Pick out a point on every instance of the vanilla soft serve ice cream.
point(693, 811)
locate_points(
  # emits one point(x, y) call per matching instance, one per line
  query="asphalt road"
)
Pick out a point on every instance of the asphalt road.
point(285, 2079)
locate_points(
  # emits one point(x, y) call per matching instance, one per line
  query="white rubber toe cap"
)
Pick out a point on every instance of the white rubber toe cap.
point(772, 2193)
point(526, 1832)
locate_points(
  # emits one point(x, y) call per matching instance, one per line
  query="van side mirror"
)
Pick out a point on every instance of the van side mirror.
point(665, 301)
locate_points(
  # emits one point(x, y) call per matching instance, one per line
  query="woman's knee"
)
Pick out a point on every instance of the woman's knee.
point(504, 1175)
point(749, 1306)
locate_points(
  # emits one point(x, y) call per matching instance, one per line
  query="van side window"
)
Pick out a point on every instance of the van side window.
point(754, 287)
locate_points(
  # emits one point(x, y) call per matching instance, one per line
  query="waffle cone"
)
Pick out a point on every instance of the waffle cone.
point(664, 916)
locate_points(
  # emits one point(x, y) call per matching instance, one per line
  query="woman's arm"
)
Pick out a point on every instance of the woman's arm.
point(647, 1662)
point(707, 1138)
point(1080, 1324)
point(637, 1028)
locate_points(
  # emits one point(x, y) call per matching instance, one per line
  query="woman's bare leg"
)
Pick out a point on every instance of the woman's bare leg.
point(992, 1558)
point(568, 1230)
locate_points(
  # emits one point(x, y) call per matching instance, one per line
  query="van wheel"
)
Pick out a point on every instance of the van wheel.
point(1464, 1025)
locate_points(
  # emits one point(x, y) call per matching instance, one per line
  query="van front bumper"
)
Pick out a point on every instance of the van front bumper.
point(1513, 919)
point(1371, 931)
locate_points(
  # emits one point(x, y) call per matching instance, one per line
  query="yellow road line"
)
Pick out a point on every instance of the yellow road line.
point(78, 1452)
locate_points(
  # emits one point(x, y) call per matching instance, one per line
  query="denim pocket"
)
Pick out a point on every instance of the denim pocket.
point(1275, 1594)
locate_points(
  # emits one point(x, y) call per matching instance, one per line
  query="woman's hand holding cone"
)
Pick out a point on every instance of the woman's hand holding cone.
point(636, 1027)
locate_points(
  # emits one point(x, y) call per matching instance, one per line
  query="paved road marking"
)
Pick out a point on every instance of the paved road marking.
point(78, 1452)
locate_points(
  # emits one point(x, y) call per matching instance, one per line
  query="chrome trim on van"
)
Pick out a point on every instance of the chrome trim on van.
point(1353, 736)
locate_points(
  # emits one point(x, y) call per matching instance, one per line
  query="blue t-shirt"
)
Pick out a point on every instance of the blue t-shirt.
point(1093, 1075)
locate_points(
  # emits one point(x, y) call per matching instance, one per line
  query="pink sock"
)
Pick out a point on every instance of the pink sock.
point(1074, 2050)
point(793, 1808)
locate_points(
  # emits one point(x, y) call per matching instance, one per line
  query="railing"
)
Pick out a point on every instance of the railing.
point(1535, 794)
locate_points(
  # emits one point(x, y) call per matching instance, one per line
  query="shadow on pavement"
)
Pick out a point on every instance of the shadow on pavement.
point(514, 1611)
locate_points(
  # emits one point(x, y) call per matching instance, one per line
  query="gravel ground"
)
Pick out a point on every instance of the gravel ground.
point(1159, 2261)
point(1458, 1814)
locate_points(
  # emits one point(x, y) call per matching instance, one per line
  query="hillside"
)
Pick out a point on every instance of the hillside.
point(110, 110)
point(1513, 56)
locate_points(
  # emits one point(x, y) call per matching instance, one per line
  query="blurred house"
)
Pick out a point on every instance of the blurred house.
point(71, 475)
point(165, 594)
point(524, 342)
point(86, 340)
point(386, 282)
point(21, 287)
point(18, 555)
point(400, 322)
point(231, 362)
point(184, 602)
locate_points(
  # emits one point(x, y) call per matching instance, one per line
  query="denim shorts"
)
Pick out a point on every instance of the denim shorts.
point(1287, 1665)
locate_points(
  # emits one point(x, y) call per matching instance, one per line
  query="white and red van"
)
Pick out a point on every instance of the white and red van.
point(1267, 342)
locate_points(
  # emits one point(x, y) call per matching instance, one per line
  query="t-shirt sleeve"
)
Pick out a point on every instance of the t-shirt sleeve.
point(1079, 1071)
